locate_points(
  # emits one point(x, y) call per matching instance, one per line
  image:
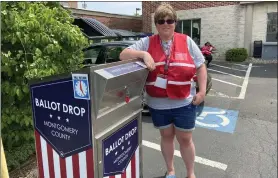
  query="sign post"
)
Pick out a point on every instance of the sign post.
point(84, 128)
point(4, 168)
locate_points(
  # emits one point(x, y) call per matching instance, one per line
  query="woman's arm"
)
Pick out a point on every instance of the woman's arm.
point(139, 51)
point(135, 51)
point(212, 48)
point(201, 71)
point(202, 79)
point(127, 54)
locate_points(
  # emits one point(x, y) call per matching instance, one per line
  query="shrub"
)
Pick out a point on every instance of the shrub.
point(38, 40)
point(236, 54)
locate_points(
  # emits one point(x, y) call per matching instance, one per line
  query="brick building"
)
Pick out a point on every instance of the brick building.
point(69, 4)
point(225, 24)
point(113, 21)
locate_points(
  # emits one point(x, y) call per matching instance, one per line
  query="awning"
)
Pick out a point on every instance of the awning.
point(92, 27)
point(142, 34)
point(124, 33)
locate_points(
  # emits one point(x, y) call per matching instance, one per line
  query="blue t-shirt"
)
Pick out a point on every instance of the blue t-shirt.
point(168, 103)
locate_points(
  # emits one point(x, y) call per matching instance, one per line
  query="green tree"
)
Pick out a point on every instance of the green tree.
point(38, 40)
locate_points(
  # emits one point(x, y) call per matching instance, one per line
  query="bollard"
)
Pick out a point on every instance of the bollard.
point(4, 168)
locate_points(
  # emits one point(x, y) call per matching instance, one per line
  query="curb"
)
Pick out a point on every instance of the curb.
point(252, 60)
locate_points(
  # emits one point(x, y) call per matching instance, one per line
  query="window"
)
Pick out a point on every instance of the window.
point(271, 32)
point(113, 53)
point(191, 28)
point(91, 55)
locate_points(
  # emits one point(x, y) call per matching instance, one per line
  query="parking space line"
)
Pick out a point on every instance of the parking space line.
point(226, 82)
point(225, 73)
point(245, 82)
point(240, 65)
point(219, 94)
point(223, 96)
point(227, 67)
point(198, 159)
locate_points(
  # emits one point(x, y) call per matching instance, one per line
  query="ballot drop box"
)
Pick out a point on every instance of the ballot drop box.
point(88, 123)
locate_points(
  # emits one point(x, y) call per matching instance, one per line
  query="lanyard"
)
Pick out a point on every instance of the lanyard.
point(167, 57)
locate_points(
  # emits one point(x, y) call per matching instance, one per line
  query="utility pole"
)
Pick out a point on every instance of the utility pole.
point(137, 9)
point(84, 5)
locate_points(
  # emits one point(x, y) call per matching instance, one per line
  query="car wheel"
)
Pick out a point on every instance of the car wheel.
point(209, 83)
point(200, 108)
point(145, 111)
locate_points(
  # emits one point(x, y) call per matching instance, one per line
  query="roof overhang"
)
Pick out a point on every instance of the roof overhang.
point(249, 2)
point(92, 27)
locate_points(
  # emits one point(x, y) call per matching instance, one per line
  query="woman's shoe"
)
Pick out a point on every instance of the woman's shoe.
point(169, 176)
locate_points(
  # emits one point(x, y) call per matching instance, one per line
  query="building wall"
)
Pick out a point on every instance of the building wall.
point(148, 7)
point(113, 21)
point(260, 11)
point(70, 4)
point(73, 4)
point(223, 26)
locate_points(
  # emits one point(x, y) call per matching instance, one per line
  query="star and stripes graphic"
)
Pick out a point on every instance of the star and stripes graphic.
point(80, 165)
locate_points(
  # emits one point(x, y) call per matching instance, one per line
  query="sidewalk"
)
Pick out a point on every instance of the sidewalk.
point(250, 60)
point(29, 170)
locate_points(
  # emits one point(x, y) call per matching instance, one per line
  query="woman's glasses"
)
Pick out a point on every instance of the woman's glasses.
point(169, 21)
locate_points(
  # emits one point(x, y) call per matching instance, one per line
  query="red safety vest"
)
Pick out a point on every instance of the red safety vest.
point(181, 68)
point(206, 50)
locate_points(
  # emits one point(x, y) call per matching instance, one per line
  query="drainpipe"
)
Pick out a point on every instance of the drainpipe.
point(248, 44)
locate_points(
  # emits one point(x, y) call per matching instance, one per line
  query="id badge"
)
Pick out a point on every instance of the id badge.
point(161, 82)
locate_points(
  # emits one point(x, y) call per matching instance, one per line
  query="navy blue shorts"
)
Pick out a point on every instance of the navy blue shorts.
point(183, 118)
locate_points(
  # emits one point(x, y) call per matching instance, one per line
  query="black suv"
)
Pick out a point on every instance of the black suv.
point(108, 52)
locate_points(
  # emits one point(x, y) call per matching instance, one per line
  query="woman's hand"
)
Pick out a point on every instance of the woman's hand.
point(202, 82)
point(148, 60)
point(198, 98)
point(127, 54)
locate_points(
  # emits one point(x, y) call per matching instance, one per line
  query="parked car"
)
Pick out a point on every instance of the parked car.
point(108, 52)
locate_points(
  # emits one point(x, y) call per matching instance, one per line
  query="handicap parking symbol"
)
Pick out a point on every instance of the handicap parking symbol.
point(217, 119)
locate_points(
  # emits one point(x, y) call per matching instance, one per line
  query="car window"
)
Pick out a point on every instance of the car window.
point(113, 53)
point(90, 56)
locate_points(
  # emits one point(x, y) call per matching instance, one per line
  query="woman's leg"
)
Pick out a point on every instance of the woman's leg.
point(167, 148)
point(209, 58)
point(162, 120)
point(187, 150)
point(184, 120)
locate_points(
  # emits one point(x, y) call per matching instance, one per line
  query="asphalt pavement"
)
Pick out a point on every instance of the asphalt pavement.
point(236, 132)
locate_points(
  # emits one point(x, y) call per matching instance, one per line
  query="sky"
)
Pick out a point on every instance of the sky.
point(127, 8)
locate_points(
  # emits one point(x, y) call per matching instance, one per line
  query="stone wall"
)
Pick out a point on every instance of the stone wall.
point(223, 26)
point(148, 7)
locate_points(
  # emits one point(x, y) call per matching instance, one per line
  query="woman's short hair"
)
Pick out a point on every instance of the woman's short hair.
point(207, 43)
point(164, 10)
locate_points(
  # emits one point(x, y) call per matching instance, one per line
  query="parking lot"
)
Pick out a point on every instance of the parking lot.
point(236, 131)
point(235, 135)
point(229, 80)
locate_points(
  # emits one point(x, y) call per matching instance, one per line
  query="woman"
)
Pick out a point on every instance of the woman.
point(207, 51)
point(173, 59)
